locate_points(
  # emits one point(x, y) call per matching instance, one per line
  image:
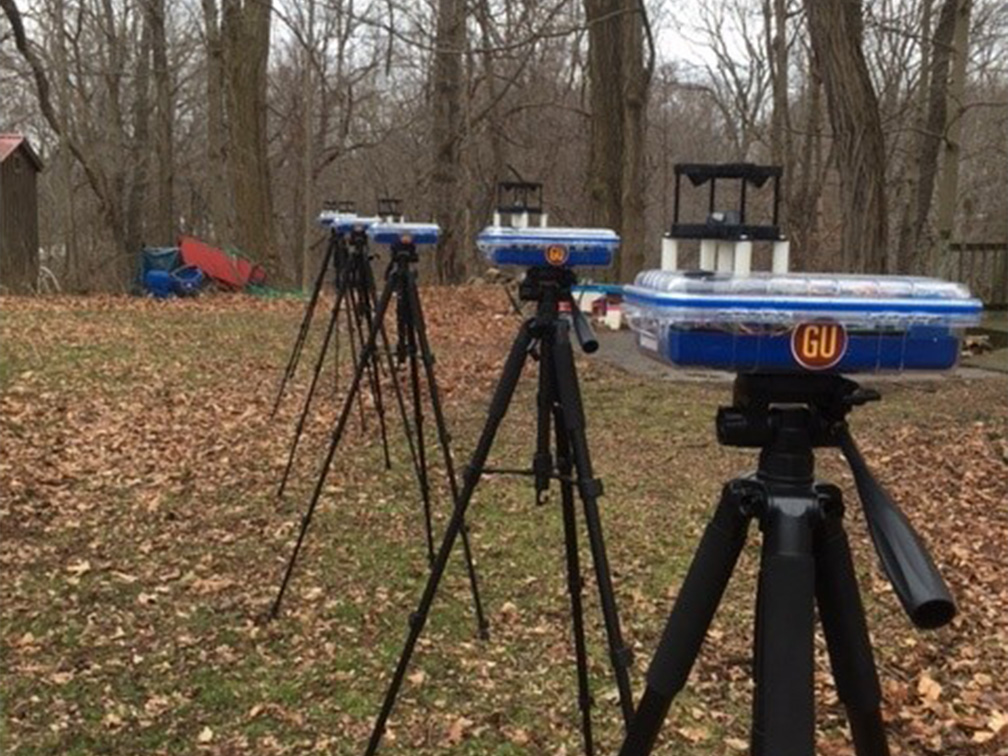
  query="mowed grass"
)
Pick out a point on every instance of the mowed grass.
point(143, 543)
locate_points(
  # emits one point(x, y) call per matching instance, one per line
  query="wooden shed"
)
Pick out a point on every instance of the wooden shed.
point(19, 227)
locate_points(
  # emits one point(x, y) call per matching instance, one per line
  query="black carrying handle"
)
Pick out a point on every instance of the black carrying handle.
point(905, 559)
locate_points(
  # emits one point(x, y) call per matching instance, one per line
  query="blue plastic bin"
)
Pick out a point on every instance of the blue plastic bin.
point(186, 281)
point(159, 283)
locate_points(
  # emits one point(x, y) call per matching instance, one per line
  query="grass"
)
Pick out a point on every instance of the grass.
point(143, 544)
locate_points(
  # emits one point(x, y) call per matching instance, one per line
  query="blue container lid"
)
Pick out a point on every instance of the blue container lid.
point(420, 234)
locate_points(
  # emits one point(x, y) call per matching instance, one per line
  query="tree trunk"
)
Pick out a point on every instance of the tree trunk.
point(136, 226)
point(947, 188)
point(605, 167)
point(618, 86)
point(163, 226)
point(836, 31)
point(781, 142)
point(219, 200)
point(447, 85)
point(806, 184)
point(71, 254)
point(931, 124)
point(245, 31)
point(636, 78)
point(306, 161)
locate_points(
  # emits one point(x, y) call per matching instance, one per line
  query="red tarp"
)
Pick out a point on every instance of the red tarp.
point(224, 268)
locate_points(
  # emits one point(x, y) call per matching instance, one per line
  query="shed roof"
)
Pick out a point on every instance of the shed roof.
point(9, 144)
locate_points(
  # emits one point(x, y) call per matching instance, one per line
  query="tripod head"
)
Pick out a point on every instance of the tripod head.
point(786, 416)
point(551, 287)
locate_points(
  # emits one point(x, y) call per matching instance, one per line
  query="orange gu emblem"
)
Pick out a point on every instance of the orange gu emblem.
point(819, 345)
point(557, 254)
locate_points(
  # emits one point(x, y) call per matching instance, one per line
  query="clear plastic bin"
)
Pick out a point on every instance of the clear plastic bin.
point(542, 246)
point(419, 234)
point(344, 223)
point(800, 322)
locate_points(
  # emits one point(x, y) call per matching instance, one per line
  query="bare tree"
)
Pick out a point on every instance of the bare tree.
point(447, 85)
point(219, 202)
point(163, 226)
point(619, 79)
point(953, 128)
point(836, 31)
point(245, 34)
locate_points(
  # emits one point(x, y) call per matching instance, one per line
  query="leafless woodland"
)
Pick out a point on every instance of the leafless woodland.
point(235, 119)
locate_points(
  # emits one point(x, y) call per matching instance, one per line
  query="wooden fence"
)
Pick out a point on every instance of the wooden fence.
point(983, 266)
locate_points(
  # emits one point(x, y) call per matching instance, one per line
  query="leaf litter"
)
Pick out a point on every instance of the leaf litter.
point(143, 541)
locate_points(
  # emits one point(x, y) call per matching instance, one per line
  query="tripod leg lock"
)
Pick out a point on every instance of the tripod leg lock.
point(830, 500)
point(747, 497)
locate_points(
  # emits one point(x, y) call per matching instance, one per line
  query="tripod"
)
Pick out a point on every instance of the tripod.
point(412, 346)
point(805, 560)
point(559, 405)
point(355, 286)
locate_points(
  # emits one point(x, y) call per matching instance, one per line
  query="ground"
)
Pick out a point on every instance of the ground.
point(142, 543)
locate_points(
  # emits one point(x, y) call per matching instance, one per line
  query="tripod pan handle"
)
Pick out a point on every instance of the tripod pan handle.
point(905, 559)
point(582, 328)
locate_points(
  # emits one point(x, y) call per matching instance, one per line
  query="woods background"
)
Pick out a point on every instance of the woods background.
point(235, 119)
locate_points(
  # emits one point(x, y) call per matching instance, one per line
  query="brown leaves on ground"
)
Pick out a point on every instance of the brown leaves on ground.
point(143, 542)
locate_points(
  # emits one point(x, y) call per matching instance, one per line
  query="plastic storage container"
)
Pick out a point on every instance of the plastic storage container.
point(544, 246)
point(344, 223)
point(186, 281)
point(331, 218)
point(799, 322)
point(159, 283)
point(420, 234)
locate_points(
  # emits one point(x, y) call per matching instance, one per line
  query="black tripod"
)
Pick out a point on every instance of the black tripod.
point(559, 405)
point(412, 346)
point(805, 561)
point(355, 295)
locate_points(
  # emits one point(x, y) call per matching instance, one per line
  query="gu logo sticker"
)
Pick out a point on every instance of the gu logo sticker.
point(557, 254)
point(819, 345)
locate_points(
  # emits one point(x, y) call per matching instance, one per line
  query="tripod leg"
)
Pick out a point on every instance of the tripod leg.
point(498, 408)
point(783, 705)
point(843, 621)
point(368, 312)
point(427, 356)
point(691, 615)
point(352, 337)
point(421, 446)
point(590, 488)
point(362, 320)
point(336, 346)
point(295, 356)
point(337, 434)
point(386, 349)
point(575, 583)
point(320, 362)
point(386, 346)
